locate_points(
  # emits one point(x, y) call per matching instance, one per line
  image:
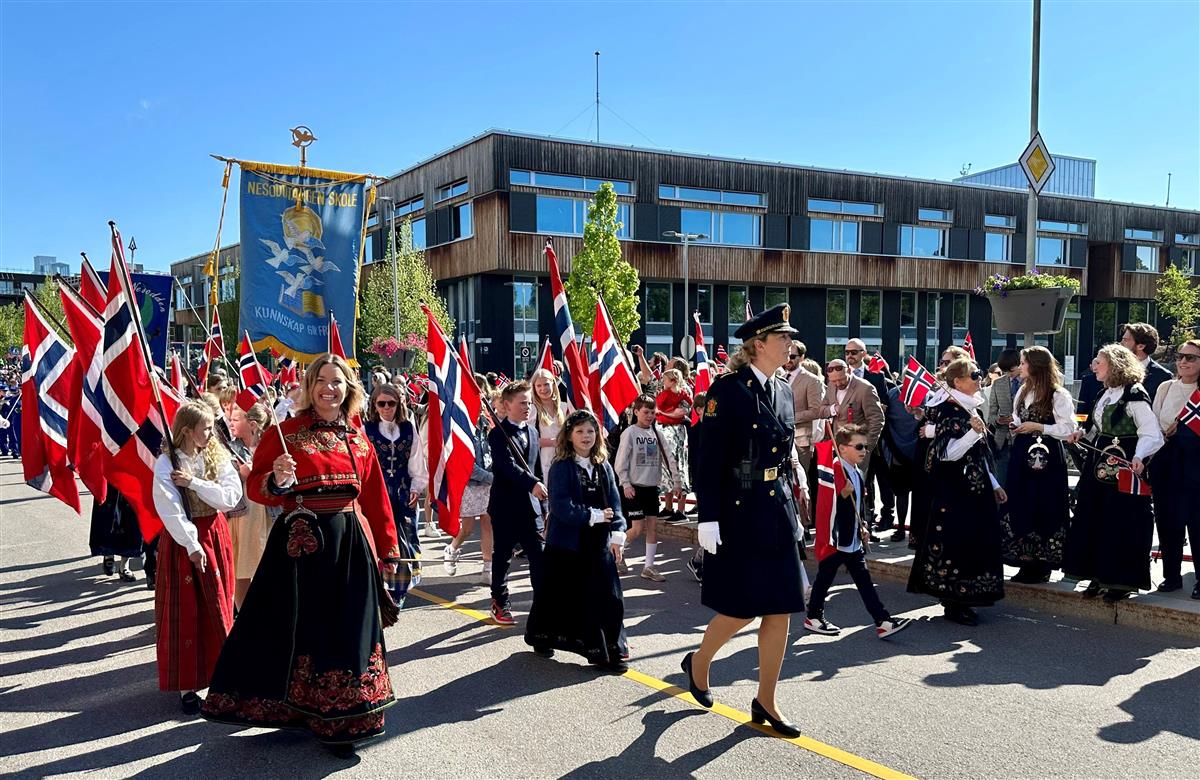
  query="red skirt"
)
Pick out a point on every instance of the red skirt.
point(193, 611)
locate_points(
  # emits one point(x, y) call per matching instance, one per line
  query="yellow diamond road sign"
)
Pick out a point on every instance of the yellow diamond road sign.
point(1037, 163)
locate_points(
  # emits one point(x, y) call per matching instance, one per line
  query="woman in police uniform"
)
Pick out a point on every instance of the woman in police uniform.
point(748, 525)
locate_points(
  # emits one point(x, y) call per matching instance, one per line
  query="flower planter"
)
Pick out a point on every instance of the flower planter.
point(397, 360)
point(1041, 310)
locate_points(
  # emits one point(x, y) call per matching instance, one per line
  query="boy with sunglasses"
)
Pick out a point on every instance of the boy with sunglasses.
point(847, 532)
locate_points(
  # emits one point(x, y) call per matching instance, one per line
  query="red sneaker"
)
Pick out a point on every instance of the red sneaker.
point(501, 616)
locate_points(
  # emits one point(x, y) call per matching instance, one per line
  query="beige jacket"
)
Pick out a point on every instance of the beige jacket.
point(808, 392)
point(860, 405)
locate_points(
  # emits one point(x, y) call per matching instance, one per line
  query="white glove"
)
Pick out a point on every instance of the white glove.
point(4, 423)
point(930, 431)
point(709, 536)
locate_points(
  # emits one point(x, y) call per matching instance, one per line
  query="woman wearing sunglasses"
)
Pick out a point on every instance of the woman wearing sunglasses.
point(958, 556)
point(398, 447)
point(1174, 473)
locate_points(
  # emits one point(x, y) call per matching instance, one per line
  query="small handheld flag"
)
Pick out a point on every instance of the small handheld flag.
point(917, 383)
point(1131, 484)
point(1189, 415)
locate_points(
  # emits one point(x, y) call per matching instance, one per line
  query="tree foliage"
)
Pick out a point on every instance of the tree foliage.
point(12, 317)
point(599, 270)
point(415, 283)
point(1178, 300)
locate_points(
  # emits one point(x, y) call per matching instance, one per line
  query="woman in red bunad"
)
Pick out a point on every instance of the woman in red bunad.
point(193, 603)
point(307, 650)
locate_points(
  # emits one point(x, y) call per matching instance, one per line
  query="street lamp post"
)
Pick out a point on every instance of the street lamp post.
point(395, 268)
point(1031, 208)
point(686, 238)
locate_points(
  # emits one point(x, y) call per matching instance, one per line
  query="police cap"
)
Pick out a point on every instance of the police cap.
point(773, 320)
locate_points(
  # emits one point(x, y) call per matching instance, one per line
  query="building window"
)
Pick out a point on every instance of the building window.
point(410, 206)
point(908, 309)
point(1051, 251)
point(185, 283)
point(703, 303)
point(775, 296)
point(997, 247)
point(836, 308)
point(418, 233)
point(920, 241)
point(568, 216)
point(1143, 311)
point(1147, 259)
point(1188, 263)
point(672, 192)
point(558, 181)
point(935, 215)
point(1140, 234)
point(525, 301)
point(452, 190)
point(372, 221)
point(658, 303)
point(1000, 220)
point(738, 296)
point(723, 227)
point(870, 309)
point(228, 288)
point(460, 222)
point(845, 207)
point(1053, 226)
point(1104, 325)
point(1192, 239)
point(960, 311)
point(833, 235)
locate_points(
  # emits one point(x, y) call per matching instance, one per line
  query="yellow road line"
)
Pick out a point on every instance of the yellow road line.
point(737, 716)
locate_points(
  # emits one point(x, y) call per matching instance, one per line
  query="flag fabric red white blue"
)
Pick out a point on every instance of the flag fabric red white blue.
point(464, 354)
point(722, 355)
point(454, 404)
point(1131, 484)
point(969, 346)
point(831, 478)
point(287, 372)
point(575, 368)
point(49, 381)
point(1189, 415)
point(131, 471)
point(749, 311)
point(178, 379)
point(917, 383)
point(214, 348)
point(612, 383)
point(125, 394)
point(546, 361)
point(85, 444)
point(335, 338)
point(703, 370)
point(252, 377)
point(91, 289)
point(877, 364)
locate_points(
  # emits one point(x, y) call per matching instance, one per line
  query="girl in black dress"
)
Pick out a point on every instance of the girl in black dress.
point(579, 607)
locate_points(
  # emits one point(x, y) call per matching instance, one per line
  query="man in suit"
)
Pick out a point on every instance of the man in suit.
point(999, 410)
point(1141, 339)
point(808, 392)
point(849, 399)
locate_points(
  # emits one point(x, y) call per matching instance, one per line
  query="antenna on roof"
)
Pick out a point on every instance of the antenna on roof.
point(1168, 189)
point(965, 169)
point(597, 97)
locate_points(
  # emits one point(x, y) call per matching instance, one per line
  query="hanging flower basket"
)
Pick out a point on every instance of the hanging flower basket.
point(1031, 303)
point(397, 353)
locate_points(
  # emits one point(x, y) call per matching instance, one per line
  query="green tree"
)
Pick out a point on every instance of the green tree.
point(599, 270)
point(12, 326)
point(415, 283)
point(1179, 300)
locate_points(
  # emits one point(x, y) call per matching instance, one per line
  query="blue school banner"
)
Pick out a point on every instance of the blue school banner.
point(301, 245)
point(153, 295)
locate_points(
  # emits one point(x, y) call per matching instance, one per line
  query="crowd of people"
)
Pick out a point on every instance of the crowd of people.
point(293, 528)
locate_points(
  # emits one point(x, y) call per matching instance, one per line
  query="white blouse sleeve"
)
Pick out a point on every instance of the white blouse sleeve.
point(418, 464)
point(1150, 437)
point(1064, 415)
point(960, 446)
point(169, 506)
point(223, 494)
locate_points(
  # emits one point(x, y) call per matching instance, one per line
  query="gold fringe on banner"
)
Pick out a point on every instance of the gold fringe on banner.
point(362, 248)
point(301, 358)
point(296, 170)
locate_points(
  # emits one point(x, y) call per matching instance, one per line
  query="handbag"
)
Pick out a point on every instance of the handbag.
point(1109, 461)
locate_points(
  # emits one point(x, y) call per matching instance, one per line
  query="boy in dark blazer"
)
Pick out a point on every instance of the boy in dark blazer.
point(515, 503)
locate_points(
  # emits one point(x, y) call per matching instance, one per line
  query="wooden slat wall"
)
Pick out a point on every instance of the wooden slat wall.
point(475, 162)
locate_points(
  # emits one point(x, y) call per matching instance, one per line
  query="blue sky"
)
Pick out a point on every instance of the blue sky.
point(110, 110)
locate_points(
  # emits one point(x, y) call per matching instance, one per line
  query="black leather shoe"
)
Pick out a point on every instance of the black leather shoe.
point(961, 616)
point(702, 697)
point(109, 564)
point(782, 726)
point(1092, 590)
point(1170, 586)
point(1196, 592)
point(190, 703)
point(544, 652)
point(898, 535)
point(1113, 596)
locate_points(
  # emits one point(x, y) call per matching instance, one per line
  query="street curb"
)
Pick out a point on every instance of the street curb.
point(1148, 611)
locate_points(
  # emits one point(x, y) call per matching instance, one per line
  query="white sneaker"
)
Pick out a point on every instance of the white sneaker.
point(450, 559)
point(651, 573)
point(432, 531)
point(889, 627)
point(821, 626)
point(485, 576)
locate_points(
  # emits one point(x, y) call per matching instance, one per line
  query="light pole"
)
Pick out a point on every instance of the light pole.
point(686, 238)
point(1032, 209)
point(395, 268)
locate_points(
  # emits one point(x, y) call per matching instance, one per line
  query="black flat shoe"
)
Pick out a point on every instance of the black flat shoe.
point(898, 535)
point(1092, 591)
point(782, 726)
point(702, 697)
point(543, 652)
point(615, 667)
point(961, 616)
point(190, 703)
point(109, 565)
point(1170, 586)
point(149, 583)
point(343, 750)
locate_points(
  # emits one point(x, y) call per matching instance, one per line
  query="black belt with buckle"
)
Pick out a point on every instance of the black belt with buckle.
point(768, 475)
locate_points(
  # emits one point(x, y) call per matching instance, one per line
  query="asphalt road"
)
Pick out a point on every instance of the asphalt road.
point(1022, 695)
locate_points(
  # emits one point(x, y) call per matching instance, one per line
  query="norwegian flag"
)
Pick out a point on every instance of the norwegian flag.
point(49, 381)
point(1131, 484)
point(214, 348)
point(178, 377)
point(253, 377)
point(656, 372)
point(85, 444)
point(575, 368)
point(546, 361)
point(454, 404)
point(749, 311)
point(131, 471)
point(125, 393)
point(1189, 415)
point(612, 384)
point(969, 346)
point(465, 355)
point(703, 371)
point(502, 380)
point(917, 383)
point(877, 364)
point(91, 289)
point(335, 338)
point(831, 478)
point(722, 355)
point(287, 373)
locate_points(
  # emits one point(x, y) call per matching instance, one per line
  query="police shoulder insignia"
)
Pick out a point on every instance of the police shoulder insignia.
point(711, 408)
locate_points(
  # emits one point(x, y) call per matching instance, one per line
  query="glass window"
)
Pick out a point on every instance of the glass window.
point(737, 304)
point(418, 233)
point(816, 204)
point(835, 308)
point(935, 215)
point(960, 311)
point(1139, 311)
point(870, 314)
point(185, 283)
point(1104, 325)
point(845, 207)
point(460, 222)
point(908, 309)
point(722, 227)
point(1140, 234)
point(711, 196)
point(692, 193)
point(525, 299)
point(742, 198)
point(619, 187)
point(932, 309)
point(228, 288)
point(555, 215)
point(1188, 264)
point(658, 303)
point(1054, 226)
point(740, 229)
point(833, 235)
point(1187, 238)
point(849, 242)
point(1051, 251)
point(410, 206)
point(775, 296)
point(695, 221)
point(917, 241)
point(820, 235)
point(519, 177)
point(559, 181)
point(452, 190)
point(999, 220)
point(704, 302)
point(997, 247)
point(1147, 258)
point(666, 191)
point(372, 220)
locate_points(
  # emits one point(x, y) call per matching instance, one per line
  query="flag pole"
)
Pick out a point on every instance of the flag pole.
point(53, 320)
point(274, 419)
point(203, 324)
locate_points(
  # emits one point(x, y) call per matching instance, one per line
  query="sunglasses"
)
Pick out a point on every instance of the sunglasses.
point(943, 363)
point(854, 351)
point(385, 404)
point(860, 446)
point(793, 357)
point(830, 369)
point(1187, 357)
point(977, 375)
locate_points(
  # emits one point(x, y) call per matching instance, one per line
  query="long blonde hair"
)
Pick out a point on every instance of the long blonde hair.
point(190, 415)
point(745, 354)
point(355, 394)
point(543, 417)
